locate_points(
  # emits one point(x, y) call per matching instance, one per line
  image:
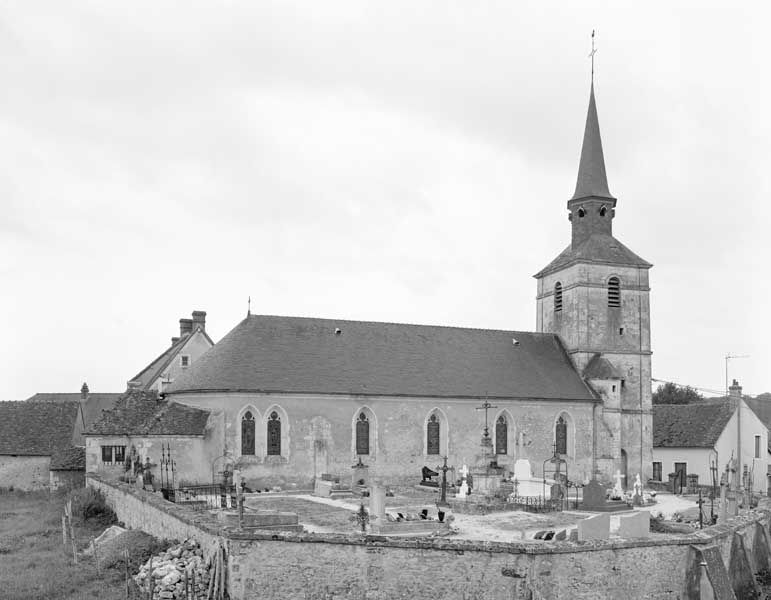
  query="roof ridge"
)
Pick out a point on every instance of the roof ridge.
point(457, 327)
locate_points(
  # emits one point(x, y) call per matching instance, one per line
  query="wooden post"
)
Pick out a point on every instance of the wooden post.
point(96, 558)
point(64, 531)
point(126, 556)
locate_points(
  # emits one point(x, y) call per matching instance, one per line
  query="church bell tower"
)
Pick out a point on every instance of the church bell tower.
point(595, 295)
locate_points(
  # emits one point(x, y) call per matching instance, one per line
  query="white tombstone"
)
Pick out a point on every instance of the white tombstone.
point(377, 503)
point(637, 486)
point(463, 490)
point(522, 470)
point(618, 491)
point(463, 472)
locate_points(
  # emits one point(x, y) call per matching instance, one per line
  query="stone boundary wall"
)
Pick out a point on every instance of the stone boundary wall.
point(152, 514)
point(350, 566)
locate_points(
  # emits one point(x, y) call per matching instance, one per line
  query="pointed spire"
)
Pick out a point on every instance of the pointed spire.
point(592, 180)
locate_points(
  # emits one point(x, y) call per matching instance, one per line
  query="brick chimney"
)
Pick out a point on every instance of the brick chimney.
point(735, 392)
point(84, 391)
point(186, 326)
point(199, 319)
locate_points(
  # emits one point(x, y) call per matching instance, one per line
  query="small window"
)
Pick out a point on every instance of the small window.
point(184, 361)
point(362, 434)
point(581, 213)
point(620, 331)
point(614, 292)
point(603, 210)
point(757, 446)
point(623, 383)
point(557, 297)
point(561, 436)
point(274, 435)
point(501, 436)
point(247, 434)
point(432, 435)
point(614, 388)
point(113, 454)
point(657, 471)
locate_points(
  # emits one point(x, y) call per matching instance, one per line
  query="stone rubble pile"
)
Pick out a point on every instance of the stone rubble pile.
point(168, 573)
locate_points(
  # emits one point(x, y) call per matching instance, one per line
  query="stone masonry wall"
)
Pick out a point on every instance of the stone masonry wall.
point(318, 433)
point(24, 472)
point(309, 566)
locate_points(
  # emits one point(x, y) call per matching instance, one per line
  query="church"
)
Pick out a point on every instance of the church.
point(289, 399)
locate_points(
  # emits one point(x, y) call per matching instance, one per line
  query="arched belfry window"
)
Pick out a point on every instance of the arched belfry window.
point(432, 435)
point(614, 292)
point(603, 211)
point(247, 434)
point(561, 436)
point(557, 297)
point(274, 434)
point(362, 434)
point(501, 436)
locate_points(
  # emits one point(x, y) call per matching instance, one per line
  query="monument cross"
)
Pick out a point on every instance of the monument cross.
point(485, 406)
point(444, 468)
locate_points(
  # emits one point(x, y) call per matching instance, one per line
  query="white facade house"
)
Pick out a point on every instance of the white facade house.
point(690, 438)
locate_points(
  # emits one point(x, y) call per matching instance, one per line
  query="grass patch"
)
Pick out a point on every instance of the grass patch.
point(35, 565)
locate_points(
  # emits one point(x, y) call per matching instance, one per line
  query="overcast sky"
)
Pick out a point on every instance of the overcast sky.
point(392, 161)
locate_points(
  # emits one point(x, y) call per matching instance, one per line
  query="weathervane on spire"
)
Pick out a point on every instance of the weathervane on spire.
point(249, 306)
point(591, 55)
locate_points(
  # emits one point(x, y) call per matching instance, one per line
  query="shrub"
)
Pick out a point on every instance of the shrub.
point(90, 504)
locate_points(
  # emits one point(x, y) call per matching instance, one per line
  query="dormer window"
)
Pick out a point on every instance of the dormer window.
point(614, 292)
point(557, 297)
point(184, 361)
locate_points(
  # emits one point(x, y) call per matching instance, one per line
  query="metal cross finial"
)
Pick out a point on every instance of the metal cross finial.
point(249, 306)
point(591, 55)
point(485, 406)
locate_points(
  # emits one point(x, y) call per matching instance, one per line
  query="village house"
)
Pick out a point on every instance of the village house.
point(185, 349)
point(690, 439)
point(41, 445)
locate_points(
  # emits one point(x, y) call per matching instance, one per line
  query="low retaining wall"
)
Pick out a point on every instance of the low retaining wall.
point(720, 559)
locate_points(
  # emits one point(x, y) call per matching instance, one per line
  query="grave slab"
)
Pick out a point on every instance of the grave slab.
point(594, 528)
point(637, 525)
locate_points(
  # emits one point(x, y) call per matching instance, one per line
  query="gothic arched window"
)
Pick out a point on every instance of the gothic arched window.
point(362, 434)
point(274, 435)
point(557, 297)
point(561, 436)
point(501, 435)
point(247, 434)
point(432, 435)
point(614, 292)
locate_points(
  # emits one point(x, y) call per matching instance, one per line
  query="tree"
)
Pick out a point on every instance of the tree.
point(671, 393)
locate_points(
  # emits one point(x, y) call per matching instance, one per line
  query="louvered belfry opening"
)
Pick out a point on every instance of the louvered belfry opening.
point(614, 292)
point(557, 297)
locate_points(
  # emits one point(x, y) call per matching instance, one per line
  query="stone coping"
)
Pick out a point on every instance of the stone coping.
point(209, 524)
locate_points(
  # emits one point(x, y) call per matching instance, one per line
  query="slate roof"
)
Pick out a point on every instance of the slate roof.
point(306, 355)
point(36, 428)
point(601, 368)
point(689, 425)
point(592, 180)
point(69, 459)
point(143, 413)
point(597, 248)
point(92, 408)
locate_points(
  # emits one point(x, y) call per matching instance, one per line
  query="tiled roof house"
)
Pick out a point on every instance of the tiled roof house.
point(36, 437)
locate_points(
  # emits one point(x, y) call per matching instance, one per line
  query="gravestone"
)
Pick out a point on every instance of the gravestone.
point(594, 496)
point(594, 528)
point(377, 503)
point(637, 525)
point(522, 469)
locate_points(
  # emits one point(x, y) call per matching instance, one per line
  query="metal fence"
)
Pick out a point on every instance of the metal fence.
point(535, 504)
point(203, 497)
